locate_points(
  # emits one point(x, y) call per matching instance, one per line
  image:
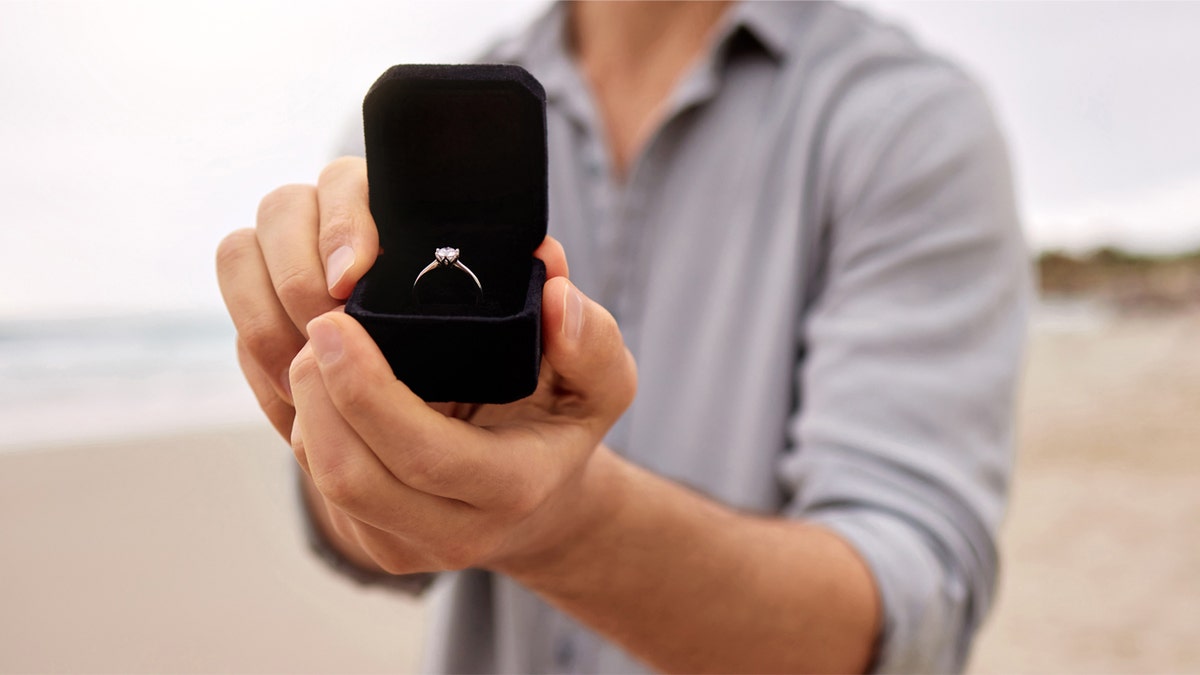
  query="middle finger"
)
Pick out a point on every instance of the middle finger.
point(287, 233)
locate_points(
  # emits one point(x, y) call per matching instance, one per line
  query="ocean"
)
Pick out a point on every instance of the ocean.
point(65, 381)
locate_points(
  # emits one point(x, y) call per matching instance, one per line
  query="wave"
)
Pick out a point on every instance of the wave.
point(67, 380)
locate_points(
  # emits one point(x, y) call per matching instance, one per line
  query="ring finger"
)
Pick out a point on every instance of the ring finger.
point(261, 322)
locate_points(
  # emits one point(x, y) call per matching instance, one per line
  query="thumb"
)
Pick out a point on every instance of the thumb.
point(584, 346)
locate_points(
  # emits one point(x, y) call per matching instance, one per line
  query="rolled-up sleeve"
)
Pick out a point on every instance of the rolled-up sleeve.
point(903, 440)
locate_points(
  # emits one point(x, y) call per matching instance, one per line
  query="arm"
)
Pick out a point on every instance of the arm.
point(904, 441)
point(343, 519)
point(902, 445)
point(527, 490)
point(690, 585)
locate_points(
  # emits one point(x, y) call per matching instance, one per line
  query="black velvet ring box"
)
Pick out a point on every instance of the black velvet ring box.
point(456, 157)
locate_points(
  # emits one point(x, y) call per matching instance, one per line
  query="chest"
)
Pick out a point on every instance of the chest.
point(705, 254)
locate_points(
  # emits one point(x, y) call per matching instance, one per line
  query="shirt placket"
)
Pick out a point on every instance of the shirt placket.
point(623, 239)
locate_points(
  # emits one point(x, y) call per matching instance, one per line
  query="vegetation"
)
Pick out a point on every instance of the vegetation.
point(1130, 280)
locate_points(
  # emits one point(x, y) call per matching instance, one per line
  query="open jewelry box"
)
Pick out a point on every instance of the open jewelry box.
point(456, 157)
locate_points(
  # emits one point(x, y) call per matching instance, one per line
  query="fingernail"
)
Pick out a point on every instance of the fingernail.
point(572, 325)
point(335, 268)
point(326, 340)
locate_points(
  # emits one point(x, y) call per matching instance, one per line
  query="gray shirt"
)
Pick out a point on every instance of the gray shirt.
point(817, 263)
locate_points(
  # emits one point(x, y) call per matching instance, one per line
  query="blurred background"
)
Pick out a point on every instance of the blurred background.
point(147, 521)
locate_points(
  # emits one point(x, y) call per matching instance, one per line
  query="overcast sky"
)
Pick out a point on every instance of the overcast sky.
point(133, 135)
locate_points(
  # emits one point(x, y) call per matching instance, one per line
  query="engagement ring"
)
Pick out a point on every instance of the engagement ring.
point(447, 256)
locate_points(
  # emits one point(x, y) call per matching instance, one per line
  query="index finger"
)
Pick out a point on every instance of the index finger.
point(348, 240)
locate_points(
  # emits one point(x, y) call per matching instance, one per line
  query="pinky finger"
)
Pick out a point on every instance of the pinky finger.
point(388, 552)
point(369, 547)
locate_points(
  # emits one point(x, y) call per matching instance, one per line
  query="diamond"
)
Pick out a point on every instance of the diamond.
point(446, 255)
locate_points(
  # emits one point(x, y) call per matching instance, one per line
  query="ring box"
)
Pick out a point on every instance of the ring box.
point(456, 157)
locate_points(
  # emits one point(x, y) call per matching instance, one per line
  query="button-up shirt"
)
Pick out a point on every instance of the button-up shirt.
point(817, 263)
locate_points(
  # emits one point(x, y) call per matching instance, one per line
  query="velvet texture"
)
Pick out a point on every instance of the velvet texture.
point(456, 156)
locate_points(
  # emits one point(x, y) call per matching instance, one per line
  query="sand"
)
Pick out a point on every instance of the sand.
point(1101, 550)
point(179, 554)
point(183, 553)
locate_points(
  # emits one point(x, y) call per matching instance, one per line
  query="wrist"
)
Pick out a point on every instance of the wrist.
point(584, 519)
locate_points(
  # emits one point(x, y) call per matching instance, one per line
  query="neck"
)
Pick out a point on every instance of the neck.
point(632, 54)
point(628, 35)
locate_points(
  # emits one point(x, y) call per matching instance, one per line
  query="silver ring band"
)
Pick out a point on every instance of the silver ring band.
point(447, 256)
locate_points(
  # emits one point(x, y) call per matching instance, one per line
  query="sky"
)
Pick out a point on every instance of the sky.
point(134, 135)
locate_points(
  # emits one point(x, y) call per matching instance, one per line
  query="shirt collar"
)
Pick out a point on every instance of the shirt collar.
point(542, 47)
point(776, 26)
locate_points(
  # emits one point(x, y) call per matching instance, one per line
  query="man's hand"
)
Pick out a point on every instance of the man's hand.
point(310, 246)
point(404, 484)
point(422, 491)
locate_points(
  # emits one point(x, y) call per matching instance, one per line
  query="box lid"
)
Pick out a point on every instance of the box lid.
point(456, 156)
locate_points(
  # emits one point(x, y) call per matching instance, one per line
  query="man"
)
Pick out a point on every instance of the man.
point(805, 230)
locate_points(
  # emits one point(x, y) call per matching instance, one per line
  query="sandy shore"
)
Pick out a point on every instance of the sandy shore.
point(1102, 544)
point(179, 554)
point(182, 554)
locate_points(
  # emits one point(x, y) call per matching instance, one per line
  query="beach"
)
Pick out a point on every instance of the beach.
point(182, 552)
point(1102, 544)
point(179, 554)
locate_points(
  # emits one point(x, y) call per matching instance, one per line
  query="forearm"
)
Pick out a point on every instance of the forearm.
point(687, 584)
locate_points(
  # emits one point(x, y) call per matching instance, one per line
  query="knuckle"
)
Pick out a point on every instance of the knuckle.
point(234, 248)
point(341, 484)
point(338, 167)
point(298, 286)
point(343, 527)
point(350, 396)
point(264, 341)
point(431, 471)
point(279, 202)
point(338, 227)
point(302, 370)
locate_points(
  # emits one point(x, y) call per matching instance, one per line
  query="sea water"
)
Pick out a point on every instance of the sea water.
point(79, 380)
